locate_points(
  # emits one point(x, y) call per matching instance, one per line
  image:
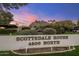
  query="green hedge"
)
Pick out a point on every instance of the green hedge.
point(29, 32)
point(5, 32)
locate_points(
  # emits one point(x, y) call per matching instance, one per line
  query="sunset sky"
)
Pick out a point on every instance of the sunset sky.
point(46, 11)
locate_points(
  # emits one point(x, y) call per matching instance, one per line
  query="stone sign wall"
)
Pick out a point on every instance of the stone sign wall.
point(37, 41)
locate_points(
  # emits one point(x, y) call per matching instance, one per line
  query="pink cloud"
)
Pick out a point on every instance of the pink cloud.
point(25, 18)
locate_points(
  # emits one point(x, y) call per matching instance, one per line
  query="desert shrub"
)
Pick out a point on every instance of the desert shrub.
point(49, 31)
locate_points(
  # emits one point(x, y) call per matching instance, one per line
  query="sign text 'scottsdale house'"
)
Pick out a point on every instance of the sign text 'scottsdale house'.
point(30, 38)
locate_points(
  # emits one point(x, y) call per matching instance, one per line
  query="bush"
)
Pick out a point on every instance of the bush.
point(61, 30)
point(34, 32)
point(49, 31)
point(29, 32)
point(5, 32)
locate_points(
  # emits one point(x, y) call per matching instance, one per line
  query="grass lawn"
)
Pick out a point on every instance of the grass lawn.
point(69, 53)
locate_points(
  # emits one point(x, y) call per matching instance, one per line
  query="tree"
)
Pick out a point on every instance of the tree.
point(38, 24)
point(5, 18)
point(5, 15)
point(67, 25)
point(78, 23)
point(61, 26)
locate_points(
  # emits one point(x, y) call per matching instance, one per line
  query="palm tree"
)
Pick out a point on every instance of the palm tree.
point(5, 14)
point(5, 18)
point(8, 6)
